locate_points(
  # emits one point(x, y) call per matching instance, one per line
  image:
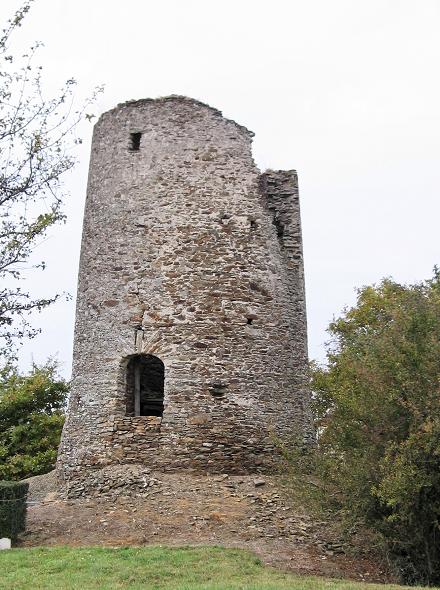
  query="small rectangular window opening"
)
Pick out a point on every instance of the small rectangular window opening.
point(135, 141)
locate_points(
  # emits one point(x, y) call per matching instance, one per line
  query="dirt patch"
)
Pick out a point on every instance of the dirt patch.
point(176, 509)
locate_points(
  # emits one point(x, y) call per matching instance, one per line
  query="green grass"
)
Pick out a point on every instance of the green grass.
point(153, 568)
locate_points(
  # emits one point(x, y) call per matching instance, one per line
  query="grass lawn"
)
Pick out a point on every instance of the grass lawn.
point(153, 568)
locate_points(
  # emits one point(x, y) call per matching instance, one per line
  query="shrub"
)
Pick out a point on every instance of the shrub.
point(377, 405)
point(31, 420)
point(13, 495)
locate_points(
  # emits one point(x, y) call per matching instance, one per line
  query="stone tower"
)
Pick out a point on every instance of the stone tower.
point(190, 341)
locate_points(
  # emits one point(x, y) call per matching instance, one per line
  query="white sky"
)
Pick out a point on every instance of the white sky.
point(347, 92)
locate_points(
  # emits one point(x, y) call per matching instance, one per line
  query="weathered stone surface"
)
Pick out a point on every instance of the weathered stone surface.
point(5, 543)
point(40, 486)
point(191, 255)
point(259, 482)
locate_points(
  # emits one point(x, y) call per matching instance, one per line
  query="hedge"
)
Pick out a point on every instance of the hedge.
point(13, 495)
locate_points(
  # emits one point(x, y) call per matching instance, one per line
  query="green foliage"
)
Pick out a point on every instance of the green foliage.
point(12, 508)
point(31, 419)
point(377, 405)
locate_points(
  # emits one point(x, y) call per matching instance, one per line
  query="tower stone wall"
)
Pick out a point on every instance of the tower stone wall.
point(192, 256)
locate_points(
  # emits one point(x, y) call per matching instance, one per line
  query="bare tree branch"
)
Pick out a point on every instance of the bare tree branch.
point(37, 135)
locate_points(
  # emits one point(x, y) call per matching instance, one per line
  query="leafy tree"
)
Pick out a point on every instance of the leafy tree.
point(31, 419)
point(377, 405)
point(37, 134)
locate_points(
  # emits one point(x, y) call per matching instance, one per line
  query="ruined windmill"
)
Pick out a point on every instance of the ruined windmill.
point(190, 341)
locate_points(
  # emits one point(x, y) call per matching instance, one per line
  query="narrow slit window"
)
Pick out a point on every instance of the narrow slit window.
point(135, 141)
point(145, 385)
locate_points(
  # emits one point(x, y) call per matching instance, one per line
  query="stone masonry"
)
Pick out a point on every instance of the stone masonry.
point(191, 263)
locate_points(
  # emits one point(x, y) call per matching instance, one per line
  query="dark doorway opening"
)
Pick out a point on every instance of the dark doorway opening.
point(145, 385)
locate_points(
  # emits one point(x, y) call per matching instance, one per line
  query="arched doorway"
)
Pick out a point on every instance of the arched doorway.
point(145, 379)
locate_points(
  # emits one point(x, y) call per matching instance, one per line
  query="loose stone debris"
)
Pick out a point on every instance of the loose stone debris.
point(187, 509)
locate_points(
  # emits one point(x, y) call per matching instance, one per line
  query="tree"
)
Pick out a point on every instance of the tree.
point(377, 404)
point(31, 420)
point(37, 135)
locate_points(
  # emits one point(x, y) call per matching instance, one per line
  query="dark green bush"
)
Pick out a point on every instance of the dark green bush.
point(31, 420)
point(377, 404)
point(13, 495)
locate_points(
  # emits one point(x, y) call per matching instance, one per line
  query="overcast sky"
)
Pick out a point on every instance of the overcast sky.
point(346, 92)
